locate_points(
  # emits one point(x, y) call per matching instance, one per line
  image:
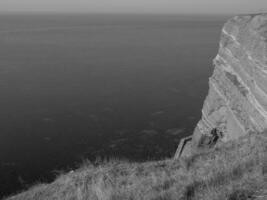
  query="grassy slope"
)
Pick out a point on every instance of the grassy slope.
point(235, 171)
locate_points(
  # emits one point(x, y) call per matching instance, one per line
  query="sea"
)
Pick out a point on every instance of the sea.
point(78, 87)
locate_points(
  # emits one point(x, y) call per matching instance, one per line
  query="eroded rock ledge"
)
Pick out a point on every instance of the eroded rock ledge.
point(237, 100)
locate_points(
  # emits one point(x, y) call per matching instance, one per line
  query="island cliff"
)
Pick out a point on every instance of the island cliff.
point(233, 115)
point(236, 103)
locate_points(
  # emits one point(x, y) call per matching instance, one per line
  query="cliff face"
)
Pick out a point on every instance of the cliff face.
point(237, 99)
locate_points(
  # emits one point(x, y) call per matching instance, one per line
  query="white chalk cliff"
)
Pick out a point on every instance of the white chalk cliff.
point(236, 103)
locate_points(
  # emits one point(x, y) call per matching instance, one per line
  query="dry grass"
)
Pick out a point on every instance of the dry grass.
point(235, 171)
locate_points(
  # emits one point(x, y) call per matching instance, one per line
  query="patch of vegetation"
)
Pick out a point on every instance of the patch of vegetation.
point(235, 171)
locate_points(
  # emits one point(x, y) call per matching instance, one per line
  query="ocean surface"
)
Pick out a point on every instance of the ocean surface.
point(77, 87)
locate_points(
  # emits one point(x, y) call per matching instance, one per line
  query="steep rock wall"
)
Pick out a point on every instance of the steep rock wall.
point(236, 103)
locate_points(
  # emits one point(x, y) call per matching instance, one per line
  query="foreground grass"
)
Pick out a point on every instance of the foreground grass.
point(235, 171)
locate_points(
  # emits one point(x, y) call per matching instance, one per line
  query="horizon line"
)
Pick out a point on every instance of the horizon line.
point(43, 12)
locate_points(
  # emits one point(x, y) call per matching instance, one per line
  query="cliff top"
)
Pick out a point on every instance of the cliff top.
point(257, 22)
point(251, 32)
point(237, 169)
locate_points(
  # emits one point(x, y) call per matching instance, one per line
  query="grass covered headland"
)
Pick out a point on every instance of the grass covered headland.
point(235, 171)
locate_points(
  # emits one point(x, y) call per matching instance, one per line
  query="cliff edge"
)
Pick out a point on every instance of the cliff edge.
point(236, 103)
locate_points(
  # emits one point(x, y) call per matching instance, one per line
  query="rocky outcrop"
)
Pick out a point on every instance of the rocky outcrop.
point(237, 99)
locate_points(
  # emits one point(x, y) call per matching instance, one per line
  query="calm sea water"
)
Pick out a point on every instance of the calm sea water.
point(88, 86)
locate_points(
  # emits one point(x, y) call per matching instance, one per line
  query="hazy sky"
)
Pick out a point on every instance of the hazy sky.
point(136, 6)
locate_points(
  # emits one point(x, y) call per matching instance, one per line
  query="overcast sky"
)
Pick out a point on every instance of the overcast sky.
point(136, 6)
